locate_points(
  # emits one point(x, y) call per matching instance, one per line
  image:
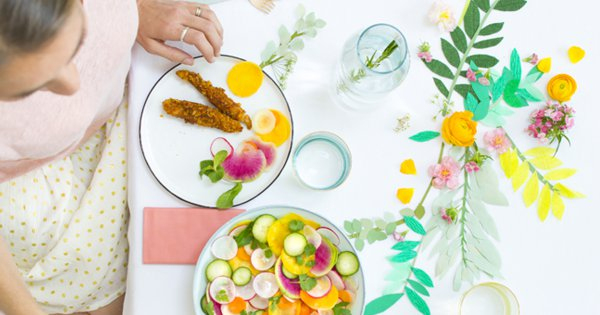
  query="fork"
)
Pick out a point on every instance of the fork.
point(263, 5)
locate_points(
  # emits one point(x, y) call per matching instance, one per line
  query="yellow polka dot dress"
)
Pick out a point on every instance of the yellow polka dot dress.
point(66, 224)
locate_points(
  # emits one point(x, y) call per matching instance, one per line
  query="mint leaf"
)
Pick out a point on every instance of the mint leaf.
point(296, 225)
point(225, 201)
point(309, 249)
point(307, 283)
point(268, 253)
point(340, 309)
point(245, 237)
point(215, 176)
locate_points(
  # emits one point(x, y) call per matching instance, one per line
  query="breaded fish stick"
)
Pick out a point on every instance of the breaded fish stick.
point(202, 115)
point(217, 97)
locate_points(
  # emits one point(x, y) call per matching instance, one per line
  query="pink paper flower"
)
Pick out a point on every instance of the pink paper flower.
point(533, 59)
point(445, 174)
point(397, 236)
point(496, 140)
point(484, 81)
point(441, 14)
point(471, 75)
point(449, 215)
point(471, 167)
point(425, 55)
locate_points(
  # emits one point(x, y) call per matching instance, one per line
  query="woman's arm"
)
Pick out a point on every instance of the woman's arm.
point(15, 298)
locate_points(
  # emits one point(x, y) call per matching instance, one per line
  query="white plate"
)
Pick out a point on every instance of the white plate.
point(205, 257)
point(173, 149)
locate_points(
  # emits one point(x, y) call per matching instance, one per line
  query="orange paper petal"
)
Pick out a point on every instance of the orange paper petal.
point(576, 54)
point(408, 167)
point(405, 195)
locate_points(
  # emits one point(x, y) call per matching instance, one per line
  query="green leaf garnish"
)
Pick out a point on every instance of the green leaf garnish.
point(245, 237)
point(225, 201)
point(307, 283)
point(296, 225)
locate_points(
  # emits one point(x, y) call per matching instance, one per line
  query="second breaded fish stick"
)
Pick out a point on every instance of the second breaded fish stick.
point(202, 115)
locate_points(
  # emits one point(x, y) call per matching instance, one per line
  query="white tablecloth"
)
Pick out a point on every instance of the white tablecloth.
point(553, 267)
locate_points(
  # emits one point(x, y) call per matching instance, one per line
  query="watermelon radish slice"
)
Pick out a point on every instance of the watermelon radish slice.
point(336, 280)
point(224, 247)
point(267, 148)
point(259, 303)
point(312, 236)
point(260, 261)
point(329, 234)
point(219, 144)
point(216, 307)
point(290, 288)
point(236, 231)
point(325, 259)
point(245, 292)
point(265, 285)
point(322, 288)
point(245, 164)
point(222, 290)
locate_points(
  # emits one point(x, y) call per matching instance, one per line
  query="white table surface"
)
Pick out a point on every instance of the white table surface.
point(553, 267)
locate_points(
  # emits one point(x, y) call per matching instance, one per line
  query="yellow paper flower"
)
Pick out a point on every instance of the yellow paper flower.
point(545, 65)
point(408, 167)
point(576, 54)
point(561, 87)
point(405, 195)
point(459, 129)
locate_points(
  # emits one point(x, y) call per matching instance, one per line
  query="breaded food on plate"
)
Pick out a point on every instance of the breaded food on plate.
point(202, 115)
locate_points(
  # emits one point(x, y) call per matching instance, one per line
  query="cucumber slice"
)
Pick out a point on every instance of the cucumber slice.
point(347, 264)
point(241, 276)
point(261, 227)
point(294, 244)
point(206, 307)
point(218, 268)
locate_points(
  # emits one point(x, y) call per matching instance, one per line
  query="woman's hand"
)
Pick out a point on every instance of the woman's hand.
point(162, 20)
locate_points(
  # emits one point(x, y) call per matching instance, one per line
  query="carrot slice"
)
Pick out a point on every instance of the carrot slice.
point(345, 296)
point(237, 305)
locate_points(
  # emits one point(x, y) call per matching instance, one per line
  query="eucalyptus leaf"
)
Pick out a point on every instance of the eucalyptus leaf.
point(359, 244)
point(388, 216)
point(356, 226)
point(299, 12)
point(348, 227)
point(450, 53)
point(375, 235)
point(366, 224)
point(284, 35)
point(459, 39)
point(380, 224)
point(390, 228)
point(471, 20)
point(491, 29)
point(319, 23)
point(420, 211)
point(297, 44)
point(311, 32)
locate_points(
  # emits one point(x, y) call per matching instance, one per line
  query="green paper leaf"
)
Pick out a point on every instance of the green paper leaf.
point(382, 304)
point(284, 35)
point(450, 53)
point(422, 276)
point(488, 43)
point(359, 244)
point(510, 96)
point(417, 301)
point(483, 61)
point(498, 88)
point(418, 287)
point(481, 91)
point(439, 68)
point(405, 245)
point(510, 5)
point(425, 136)
point(524, 93)
point(534, 92)
point(441, 87)
point(404, 256)
point(515, 65)
point(463, 89)
point(225, 201)
point(470, 103)
point(420, 211)
point(491, 29)
point(471, 20)
point(390, 228)
point(459, 39)
point(348, 227)
point(414, 225)
point(493, 120)
point(375, 235)
point(484, 5)
point(533, 75)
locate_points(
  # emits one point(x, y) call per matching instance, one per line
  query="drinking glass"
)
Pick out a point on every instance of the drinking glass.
point(490, 298)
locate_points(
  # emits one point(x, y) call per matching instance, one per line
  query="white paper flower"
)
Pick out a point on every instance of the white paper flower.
point(441, 14)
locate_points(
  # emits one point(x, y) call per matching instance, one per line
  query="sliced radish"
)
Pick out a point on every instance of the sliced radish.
point(312, 236)
point(222, 290)
point(248, 249)
point(322, 288)
point(236, 231)
point(336, 280)
point(323, 312)
point(263, 121)
point(220, 144)
point(329, 234)
point(245, 292)
point(260, 261)
point(265, 285)
point(289, 299)
point(224, 247)
point(351, 284)
point(259, 303)
point(216, 307)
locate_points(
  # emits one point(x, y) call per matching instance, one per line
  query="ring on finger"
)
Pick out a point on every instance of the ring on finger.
point(198, 12)
point(183, 33)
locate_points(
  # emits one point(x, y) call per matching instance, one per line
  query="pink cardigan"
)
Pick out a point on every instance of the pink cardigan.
point(45, 126)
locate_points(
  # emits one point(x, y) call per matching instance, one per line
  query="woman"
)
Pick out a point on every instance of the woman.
point(63, 211)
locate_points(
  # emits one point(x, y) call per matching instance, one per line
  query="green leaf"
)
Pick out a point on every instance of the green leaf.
point(390, 228)
point(479, 110)
point(220, 157)
point(441, 87)
point(420, 211)
point(483, 61)
point(375, 235)
point(225, 201)
point(406, 245)
point(450, 53)
point(463, 89)
point(533, 75)
point(404, 256)
point(284, 35)
point(299, 12)
point(488, 43)
point(425, 136)
point(498, 88)
point(470, 103)
point(422, 276)
point(491, 29)
point(418, 287)
point(459, 39)
point(414, 225)
point(484, 5)
point(417, 301)
point(382, 304)
point(348, 226)
point(439, 68)
point(217, 175)
point(524, 93)
point(205, 165)
point(471, 20)
point(295, 225)
point(359, 244)
point(319, 23)
point(515, 65)
point(510, 96)
point(510, 5)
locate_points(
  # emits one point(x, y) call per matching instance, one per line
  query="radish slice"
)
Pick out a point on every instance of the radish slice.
point(236, 231)
point(265, 285)
point(224, 247)
point(291, 300)
point(351, 284)
point(312, 236)
point(222, 290)
point(225, 310)
point(248, 249)
point(219, 144)
point(216, 307)
point(245, 292)
point(336, 280)
point(322, 288)
point(263, 121)
point(329, 234)
point(260, 261)
point(323, 312)
point(259, 303)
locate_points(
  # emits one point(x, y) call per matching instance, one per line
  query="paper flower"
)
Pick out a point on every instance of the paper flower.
point(446, 174)
point(561, 87)
point(471, 75)
point(484, 81)
point(551, 122)
point(459, 129)
point(397, 236)
point(471, 167)
point(449, 215)
point(496, 140)
point(408, 167)
point(424, 52)
point(576, 54)
point(545, 65)
point(533, 59)
point(441, 14)
point(405, 195)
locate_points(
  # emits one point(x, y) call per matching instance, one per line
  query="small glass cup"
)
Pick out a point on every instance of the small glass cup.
point(322, 161)
point(361, 85)
point(490, 298)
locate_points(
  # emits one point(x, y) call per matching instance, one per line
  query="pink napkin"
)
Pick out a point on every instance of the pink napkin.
point(178, 235)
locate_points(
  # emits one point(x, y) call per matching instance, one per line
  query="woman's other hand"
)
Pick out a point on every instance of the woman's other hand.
point(193, 23)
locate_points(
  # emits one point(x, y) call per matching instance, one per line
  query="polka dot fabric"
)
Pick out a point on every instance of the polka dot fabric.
point(66, 224)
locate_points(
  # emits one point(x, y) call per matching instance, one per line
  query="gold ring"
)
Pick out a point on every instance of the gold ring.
point(183, 33)
point(198, 12)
